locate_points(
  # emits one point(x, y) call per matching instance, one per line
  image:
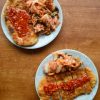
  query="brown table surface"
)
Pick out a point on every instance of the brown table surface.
point(80, 31)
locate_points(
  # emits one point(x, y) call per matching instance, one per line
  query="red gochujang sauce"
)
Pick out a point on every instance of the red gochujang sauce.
point(19, 19)
point(70, 86)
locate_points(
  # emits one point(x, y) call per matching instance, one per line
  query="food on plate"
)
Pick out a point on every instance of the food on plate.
point(22, 34)
point(27, 19)
point(61, 63)
point(67, 85)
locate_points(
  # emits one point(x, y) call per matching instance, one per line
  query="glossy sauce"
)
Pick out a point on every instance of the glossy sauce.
point(19, 19)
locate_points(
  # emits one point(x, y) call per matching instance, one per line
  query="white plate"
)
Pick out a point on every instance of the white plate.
point(43, 40)
point(87, 62)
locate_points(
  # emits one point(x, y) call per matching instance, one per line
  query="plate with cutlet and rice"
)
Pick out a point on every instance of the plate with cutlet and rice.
point(66, 75)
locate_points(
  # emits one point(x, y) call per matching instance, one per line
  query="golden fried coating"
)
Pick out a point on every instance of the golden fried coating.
point(81, 80)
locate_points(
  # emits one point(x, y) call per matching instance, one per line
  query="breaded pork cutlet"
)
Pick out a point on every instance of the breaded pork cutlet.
point(69, 85)
point(22, 33)
point(17, 21)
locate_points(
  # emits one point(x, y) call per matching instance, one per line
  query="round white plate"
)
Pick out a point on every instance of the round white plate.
point(87, 62)
point(43, 39)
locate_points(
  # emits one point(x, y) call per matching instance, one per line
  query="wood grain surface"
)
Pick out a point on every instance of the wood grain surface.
point(80, 31)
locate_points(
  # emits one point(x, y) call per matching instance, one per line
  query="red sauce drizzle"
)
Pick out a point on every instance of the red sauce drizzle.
point(66, 86)
point(50, 88)
point(75, 83)
point(19, 19)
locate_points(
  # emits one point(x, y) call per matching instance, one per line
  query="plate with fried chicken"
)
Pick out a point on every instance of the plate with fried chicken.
point(66, 75)
point(31, 24)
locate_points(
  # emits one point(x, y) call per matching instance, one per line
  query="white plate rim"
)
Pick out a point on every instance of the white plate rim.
point(57, 31)
point(84, 55)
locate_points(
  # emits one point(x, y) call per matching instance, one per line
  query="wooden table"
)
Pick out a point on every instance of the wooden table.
point(80, 31)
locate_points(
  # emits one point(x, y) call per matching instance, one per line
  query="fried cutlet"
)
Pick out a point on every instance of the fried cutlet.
point(70, 84)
